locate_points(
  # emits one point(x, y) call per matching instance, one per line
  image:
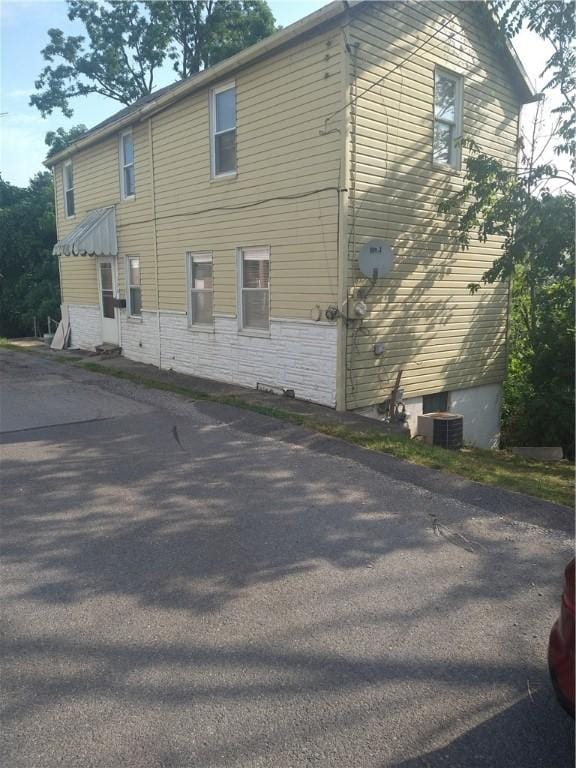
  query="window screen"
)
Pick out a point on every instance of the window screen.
point(201, 288)
point(447, 109)
point(134, 287)
point(224, 131)
point(256, 288)
point(69, 190)
point(127, 162)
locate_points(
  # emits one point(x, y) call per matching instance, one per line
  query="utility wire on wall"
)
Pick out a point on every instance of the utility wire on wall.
point(243, 206)
point(351, 104)
point(380, 80)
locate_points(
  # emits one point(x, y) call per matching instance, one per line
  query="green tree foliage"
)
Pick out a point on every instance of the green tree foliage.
point(59, 139)
point(117, 58)
point(204, 32)
point(127, 42)
point(538, 406)
point(554, 21)
point(28, 270)
point(537, 257)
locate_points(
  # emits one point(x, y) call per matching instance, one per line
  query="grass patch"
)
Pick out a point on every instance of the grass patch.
point(553, 481)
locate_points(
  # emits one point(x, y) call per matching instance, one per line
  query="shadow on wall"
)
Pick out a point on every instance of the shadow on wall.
point(432, 328)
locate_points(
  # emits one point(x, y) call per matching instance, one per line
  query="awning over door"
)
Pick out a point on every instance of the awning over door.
point(94, 236)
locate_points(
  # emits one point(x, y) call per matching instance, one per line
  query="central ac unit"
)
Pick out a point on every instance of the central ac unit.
point(442, 429)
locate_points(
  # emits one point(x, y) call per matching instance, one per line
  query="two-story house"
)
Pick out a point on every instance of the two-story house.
point(227, 213)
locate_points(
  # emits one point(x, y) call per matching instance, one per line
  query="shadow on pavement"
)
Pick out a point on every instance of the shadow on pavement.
point(513, 738)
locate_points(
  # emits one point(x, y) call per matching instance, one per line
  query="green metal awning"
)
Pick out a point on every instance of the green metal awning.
point(94, 236)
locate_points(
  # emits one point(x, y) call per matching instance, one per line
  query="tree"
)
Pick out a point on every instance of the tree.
point(118, 60)
point(537, 231)
point(538, 260)
point(28, 270)
point(126, 44)
point(554, 21)
point(59, 139)
point(205, 32)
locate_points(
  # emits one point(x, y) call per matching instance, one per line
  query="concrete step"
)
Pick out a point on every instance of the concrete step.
point(108, 350)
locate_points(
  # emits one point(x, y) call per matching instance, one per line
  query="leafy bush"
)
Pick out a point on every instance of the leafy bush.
point(29, 282)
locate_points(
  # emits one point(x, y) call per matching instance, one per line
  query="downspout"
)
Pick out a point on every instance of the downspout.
point(155, 239)
point(343, 212)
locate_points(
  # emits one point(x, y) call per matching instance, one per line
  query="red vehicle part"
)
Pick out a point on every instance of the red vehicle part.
point(561, 645)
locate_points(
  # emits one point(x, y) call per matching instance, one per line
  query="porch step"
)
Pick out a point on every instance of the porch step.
point(108, 350)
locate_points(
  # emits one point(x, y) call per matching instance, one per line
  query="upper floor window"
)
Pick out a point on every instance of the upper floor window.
point(255, 288)
point(200, 288)
point(223, 129)
point(127, 179)
point(133, 279)
point(68, 174)
point(447, 118)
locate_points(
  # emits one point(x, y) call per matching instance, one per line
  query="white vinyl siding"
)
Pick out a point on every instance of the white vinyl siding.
point(200, 288)
point(447, 118)
point(134, 284)
point(68, 175)
point(254, 280)
point(223, 130)
point(127, 176)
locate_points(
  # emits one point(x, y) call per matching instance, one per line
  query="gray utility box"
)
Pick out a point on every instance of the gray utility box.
point(442, 429)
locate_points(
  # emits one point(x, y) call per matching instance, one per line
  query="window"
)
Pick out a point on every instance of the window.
point(255, 282)
point(437, 403)
point(447, 118)
point(223, 126)
point(133, 281)
point(69, 189)
point(127, 179)
point(200, 288)
point(107, 290)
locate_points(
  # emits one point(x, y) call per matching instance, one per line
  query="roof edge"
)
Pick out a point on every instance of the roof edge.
point(269, 44)
point(263, 48)
point(530, 93)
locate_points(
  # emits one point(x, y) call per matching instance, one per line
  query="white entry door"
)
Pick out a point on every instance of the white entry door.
point(107, 288)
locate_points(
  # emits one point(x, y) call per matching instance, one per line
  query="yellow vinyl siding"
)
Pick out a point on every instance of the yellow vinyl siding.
point(96, 185)
point(432, 328)
point(282, 103)
point(291, 156)
point(78, 280)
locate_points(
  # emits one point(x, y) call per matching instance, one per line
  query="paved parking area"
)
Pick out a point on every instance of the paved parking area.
point(189, 585)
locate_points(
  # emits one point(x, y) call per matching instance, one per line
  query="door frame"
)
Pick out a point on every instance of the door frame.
point(113, 325)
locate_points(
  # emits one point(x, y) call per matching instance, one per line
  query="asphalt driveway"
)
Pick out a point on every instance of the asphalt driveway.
point(186, 585)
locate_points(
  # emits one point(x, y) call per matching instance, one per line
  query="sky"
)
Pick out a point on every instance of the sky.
point(23, 34)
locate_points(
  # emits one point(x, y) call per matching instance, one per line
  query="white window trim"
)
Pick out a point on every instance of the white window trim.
point(128, 286)
point(213, 93)
point(459, 110)
point(68, 164)
point(123, 165)
point(242, 329)
point(198, 256)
